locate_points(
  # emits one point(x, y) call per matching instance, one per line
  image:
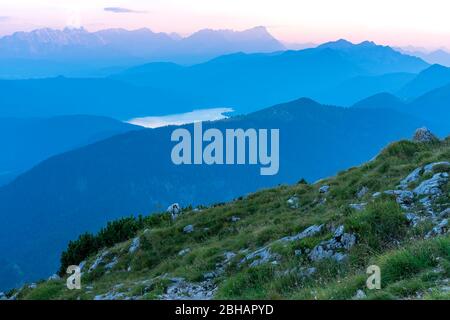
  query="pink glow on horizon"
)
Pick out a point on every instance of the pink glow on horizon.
point(396, 23)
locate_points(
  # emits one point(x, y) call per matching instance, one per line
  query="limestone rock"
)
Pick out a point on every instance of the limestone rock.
point(184, 252)
point(308, 232)
point(235, 219)
point(429, 167)
point(412, 177)
point(324, 189)
point(54, 277)
point(424, 135)
point(293, 202)
point(174, 210)
point(360, 294)
point(362, 192)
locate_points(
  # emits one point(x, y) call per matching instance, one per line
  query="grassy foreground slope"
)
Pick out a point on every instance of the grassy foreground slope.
point(305, 241)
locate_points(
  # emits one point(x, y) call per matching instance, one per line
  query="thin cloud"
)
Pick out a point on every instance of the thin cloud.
point(4, 18)
point(121, 10)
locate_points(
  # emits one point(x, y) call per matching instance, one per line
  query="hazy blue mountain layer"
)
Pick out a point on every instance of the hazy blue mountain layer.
point(27, 141)
point(132, 173)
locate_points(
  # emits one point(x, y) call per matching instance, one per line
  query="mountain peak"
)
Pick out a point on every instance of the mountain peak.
point(338, 44)
point(383, 100)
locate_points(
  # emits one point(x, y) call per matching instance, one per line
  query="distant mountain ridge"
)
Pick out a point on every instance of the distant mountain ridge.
point(429, 79)
point(27, 141)
point(248, 81)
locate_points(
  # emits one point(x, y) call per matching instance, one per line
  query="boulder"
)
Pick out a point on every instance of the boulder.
point(184, 252)
point(324, 189)
point(376, 194)
point(358, 206)
point(182, 290)
point(98, 260)
point(235, 219)
point(259, 257)
point(308, 232)
point(112, 264)
point(293, 202)
point(188, 229)
point(360, 294)
point(412, 177)
point(174, 210)
point(440, 229)
point(412, 219)
point(328, 249)
point(424, 135)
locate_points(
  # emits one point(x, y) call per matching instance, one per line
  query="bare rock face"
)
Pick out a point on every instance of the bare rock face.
point(432, 186)
point(134, 245)
point(424, 135)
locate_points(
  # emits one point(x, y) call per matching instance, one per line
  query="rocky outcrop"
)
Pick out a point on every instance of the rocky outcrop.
point(404, 198)
point(183, 290)
point(293, 202)
point(264, 255)
point(184, 252)
point(54, 277)
point(134, 245)
point(188, 229)
point(425, 195)
point(412, 177)
point(308, 232)
point(98, 260)
point(424, 135)
point(362, 192)
point(235, 219)
point(324, 189)
point(333, 248)
point(258, 257)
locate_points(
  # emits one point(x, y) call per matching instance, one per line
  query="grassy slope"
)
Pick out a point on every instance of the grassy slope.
point(411, 266)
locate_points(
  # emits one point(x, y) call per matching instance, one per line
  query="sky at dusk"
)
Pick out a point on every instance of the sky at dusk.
point(398, 23)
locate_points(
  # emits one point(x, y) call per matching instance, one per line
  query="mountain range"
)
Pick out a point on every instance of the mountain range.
point(307, 241)
point(132, 173)
point(77, 52)
point(244, 82)
point(440, 56)
point(76, 172)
